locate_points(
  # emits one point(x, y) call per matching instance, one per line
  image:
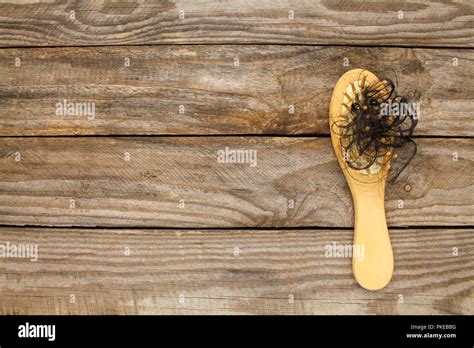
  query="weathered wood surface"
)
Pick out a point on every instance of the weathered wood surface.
point(178, 182)
point(218, 97)
point(224, 88)
point(423, 23)
point(202, 272)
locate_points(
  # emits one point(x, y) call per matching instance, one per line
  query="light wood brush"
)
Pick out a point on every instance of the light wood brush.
point(374, 268)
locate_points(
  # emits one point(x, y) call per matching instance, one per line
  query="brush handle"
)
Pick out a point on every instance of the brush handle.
point(373, 265)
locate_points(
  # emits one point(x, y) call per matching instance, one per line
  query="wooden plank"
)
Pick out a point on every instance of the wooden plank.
point(178, 182)
point(217, 97)
point(424, 23)
point(230, 272)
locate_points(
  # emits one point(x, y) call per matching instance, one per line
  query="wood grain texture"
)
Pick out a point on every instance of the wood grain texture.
point(424, 23)
point(202, 267)
point(177, 182)
point(147, 190)
point(216, 96)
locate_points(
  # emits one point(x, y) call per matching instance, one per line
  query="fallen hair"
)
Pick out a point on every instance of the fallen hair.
point(379, 125)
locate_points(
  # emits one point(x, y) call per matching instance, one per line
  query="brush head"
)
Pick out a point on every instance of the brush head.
point(364, 130)
point(357, 155)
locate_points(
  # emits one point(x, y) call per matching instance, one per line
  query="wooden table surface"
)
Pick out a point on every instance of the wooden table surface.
point(133, 213)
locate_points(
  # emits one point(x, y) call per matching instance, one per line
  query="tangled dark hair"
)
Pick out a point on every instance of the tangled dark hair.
point(379, 123)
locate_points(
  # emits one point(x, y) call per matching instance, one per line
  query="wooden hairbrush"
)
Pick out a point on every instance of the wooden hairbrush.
point(374, 269)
